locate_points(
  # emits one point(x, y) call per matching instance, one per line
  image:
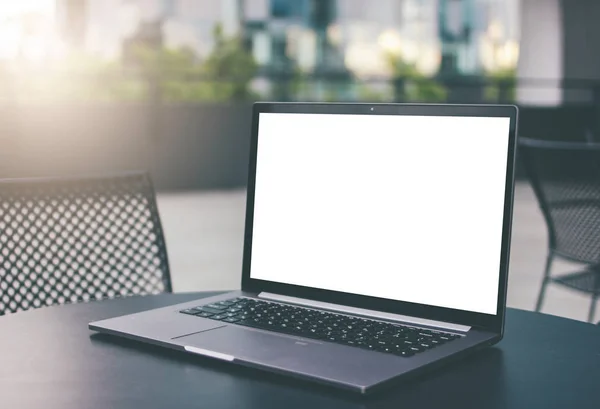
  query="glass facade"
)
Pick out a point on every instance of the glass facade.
point(446, 35)
point(301, 49)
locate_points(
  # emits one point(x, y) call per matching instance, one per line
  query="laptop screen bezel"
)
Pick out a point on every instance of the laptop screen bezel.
point(493, 323)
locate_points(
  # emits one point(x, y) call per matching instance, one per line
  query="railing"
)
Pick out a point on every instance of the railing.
point(203, 144)
point(180, 86)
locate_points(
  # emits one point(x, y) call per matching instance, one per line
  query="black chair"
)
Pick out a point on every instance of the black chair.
point(79, 239)
point(565, 177)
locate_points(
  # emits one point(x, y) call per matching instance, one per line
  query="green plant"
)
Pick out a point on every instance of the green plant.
point(168, 73)
point(411, 85)
point(292, 84)
point(230, 68)
point(78, 77)
point(164, 62)
point(368, 94)
point(501, 85)
point(176, 75)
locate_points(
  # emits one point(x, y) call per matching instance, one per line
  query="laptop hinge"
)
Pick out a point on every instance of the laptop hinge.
point(366, 313)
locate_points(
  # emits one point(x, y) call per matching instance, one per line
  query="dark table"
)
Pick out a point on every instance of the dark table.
point(49, 359)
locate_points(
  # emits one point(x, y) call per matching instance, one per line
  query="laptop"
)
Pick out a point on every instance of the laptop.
point(376, 245)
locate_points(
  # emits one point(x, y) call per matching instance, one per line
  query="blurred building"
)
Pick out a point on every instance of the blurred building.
point(27, 32)
point(313, 34)
point(559, 47)
point(72, 16)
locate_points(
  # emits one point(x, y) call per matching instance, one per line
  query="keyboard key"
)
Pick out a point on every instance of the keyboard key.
point(368, 334)
point(225, 303)
point(369, 346)
point(248, 323)
point(215, 306)
point(212, 310)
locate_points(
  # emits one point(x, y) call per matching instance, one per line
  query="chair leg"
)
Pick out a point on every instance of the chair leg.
point(546, 280)
point(592, 308)
point(594, 296)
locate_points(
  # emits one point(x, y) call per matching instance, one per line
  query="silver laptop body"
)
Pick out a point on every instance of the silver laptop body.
point(388, 217)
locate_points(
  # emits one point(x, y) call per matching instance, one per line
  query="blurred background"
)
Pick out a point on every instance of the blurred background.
point(167, 85)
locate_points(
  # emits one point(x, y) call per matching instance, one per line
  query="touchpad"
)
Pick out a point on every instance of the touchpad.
point(242, 343)
point(291, 354)
point(250, 345)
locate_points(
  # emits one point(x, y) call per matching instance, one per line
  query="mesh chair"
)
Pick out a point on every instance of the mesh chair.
point(565, 177)
point(71, 240)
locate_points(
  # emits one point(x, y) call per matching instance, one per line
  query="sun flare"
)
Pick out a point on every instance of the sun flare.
point(26, 29)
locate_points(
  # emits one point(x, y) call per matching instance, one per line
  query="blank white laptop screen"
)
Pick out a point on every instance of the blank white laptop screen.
point(407, 208)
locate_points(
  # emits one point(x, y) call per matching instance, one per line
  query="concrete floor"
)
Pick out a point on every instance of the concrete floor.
point(204, 233)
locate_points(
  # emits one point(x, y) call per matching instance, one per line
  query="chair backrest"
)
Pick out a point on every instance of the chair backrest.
point(71, 240)
point(565, 177)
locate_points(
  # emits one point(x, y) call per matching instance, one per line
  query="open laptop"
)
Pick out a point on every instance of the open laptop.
point(376, 245)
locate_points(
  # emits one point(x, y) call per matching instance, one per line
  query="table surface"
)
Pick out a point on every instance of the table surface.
point(49, 359)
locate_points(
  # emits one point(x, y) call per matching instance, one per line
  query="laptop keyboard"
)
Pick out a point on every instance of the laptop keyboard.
point(400, 340)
